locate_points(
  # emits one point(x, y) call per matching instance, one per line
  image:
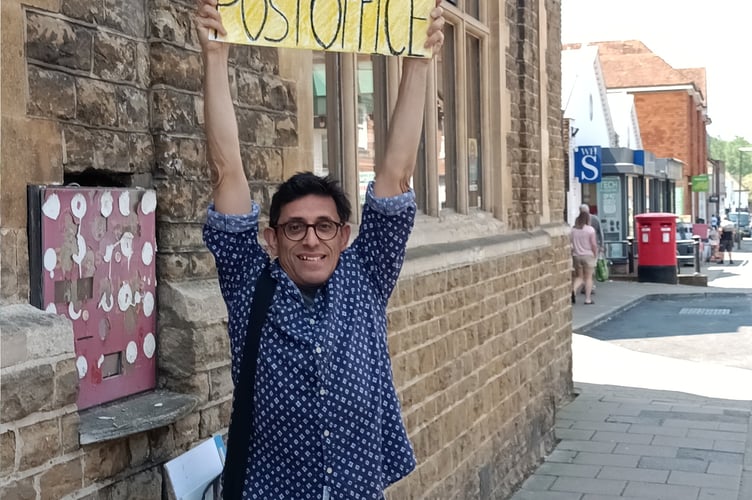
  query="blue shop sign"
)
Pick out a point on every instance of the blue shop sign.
point(587, 164)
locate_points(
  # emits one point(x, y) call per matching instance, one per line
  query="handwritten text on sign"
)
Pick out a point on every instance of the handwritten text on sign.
point(391, 27)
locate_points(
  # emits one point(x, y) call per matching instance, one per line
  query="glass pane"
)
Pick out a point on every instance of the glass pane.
point(320, 144)
point(474, 158)
point(447, 154)
point(472, 8)
point(366, 136)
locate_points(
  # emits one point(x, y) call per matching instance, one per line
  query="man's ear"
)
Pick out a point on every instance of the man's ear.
point(270, 236)
point(344, 236)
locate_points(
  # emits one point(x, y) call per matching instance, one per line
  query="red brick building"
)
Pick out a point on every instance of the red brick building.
point(671, 106)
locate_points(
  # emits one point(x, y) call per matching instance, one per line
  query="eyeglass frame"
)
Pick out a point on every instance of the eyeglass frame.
point(283, 227)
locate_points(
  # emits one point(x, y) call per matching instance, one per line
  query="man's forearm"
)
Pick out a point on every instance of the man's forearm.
point(405, 129)
point(229, 184)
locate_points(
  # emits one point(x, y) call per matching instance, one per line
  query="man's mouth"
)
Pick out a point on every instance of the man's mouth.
point(311, 258)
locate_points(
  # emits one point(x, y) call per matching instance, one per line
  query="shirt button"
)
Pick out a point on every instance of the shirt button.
point(318, 350)
point(312, 321)
point(322, 392)
point(329, 470)
point(326, 433)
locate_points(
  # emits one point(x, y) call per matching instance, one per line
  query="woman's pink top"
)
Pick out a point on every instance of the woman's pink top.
point(583, 241)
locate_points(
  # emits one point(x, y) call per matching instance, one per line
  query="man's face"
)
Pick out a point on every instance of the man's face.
point(310, 261)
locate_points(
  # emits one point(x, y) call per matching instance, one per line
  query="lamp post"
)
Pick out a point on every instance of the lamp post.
point(743, 149)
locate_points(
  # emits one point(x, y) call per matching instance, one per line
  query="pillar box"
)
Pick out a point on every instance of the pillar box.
point(656, 248)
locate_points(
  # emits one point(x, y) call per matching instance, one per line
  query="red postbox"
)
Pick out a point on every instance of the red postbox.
point(656, 248)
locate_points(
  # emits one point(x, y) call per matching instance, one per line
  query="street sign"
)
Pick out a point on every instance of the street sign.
point(700, 183)
point(587, 164)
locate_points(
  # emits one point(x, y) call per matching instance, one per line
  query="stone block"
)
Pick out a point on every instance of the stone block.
point(66, 383)
point(286, 128)
point(32, 334)
point(26, 391)
point(162, 442)
point(171, 22)
point(146, 485)
point(139, 449)
point(104, 460)
point(255, 127)
point(175, 67)
point(84, 10)
point(185, 158)
point(126, 16)
point(179, 237)
point(174, 199)
point(21, 489)
point(263, 163)
point(58, 42)
point(52, 94)
point(141, 157)
point(69, 427)
point(114, 57)
point(173, 112)
point(221, 382)
point(7, 452)
point(195, 303)
point(132, 108)
point(276, 95)
point(211, 422)
point(249, 88)
point(186, 430)
point(61, 479)
point(187, 351)
point(39, 443)
point(173, 266)
point(96, 103)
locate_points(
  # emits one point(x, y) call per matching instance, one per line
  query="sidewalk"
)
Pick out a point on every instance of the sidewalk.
point(645, 426)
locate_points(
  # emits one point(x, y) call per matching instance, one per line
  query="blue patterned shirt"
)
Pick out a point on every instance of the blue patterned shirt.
point(327, 421)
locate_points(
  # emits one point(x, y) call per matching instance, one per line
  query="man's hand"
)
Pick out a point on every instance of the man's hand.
point(209, 22)
point(435, 30)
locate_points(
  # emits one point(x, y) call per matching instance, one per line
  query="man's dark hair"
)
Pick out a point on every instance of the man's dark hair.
point(304, 184)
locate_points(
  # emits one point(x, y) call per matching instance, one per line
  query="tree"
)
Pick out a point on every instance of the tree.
point(728, 152)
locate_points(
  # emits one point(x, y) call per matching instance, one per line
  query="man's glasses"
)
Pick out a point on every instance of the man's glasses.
point(297, 230)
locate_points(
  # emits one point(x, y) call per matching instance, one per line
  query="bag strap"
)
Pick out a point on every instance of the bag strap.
point(241, 422)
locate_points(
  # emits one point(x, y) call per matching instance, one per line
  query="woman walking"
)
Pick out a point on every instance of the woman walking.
point(584, 253)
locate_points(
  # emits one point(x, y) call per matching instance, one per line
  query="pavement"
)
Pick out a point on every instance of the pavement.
point(665, 417)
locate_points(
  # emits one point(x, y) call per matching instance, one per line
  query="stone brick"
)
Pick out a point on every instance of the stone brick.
point(186, 430)
point(7, 452)
point(61, 479)
point(196, 385)
point(104, 460)
point(286, 128)
point(174, 199)
point(171, 22)
point(84, 10)
point(29, 334)
point(172, 236)
point(96, 103)
point(187, 352)
point(185, 158)
point(276, 94)
point(175, 67)
point(69, 426)
point(66, 383)
point(21, 489)
point(256, 128)
point(211, 422)
point(58, 42)
point(38, 443)
point(162, 443)
point(221, 381)
point(126, 16)
point(202, 265)
point(52, 94)
point(140, 154)
point(132, 108)
point(114, 57)
point(146, 485)
point(139, 449)
point(249, 88)
point(263, 163)
point(173, 266)
point(26, 391)
point(173, 112)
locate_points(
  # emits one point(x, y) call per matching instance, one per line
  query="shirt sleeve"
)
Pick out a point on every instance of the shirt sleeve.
point(233, 241)
point(382, 240)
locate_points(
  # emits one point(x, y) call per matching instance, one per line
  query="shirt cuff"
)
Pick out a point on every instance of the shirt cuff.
point(392, 205)
point(232, 223)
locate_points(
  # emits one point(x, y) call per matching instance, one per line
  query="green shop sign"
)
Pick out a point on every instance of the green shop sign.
point(700, 183)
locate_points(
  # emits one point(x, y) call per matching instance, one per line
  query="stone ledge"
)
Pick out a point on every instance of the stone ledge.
point(139, 413)
point(28, 334)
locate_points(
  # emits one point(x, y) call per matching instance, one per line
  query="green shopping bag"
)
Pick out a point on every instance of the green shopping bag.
point(601, 269)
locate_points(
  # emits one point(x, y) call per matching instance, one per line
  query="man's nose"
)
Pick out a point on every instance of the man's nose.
point(311, 238)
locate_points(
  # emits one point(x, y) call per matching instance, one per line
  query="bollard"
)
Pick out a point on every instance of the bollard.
point(696, 242)
point(630, 255)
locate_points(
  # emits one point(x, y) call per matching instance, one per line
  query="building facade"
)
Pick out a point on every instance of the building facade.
point(107, 95)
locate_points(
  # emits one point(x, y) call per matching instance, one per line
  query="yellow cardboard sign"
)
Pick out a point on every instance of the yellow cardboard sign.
point(391, 27)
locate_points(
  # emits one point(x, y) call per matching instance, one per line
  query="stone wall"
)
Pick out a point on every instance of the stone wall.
point(108, 92)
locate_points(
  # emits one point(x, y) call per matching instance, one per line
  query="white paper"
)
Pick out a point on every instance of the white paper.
point(191, 472)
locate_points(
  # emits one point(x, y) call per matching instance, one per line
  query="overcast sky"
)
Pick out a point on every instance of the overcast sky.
point(716, 35)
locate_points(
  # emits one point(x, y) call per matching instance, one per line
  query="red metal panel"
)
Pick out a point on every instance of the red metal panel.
point(98, 254)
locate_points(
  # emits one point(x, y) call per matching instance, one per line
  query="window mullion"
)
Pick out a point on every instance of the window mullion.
point(461, 114)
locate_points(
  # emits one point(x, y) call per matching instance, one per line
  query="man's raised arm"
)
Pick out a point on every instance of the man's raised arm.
point(229, 184)
point(406, 126)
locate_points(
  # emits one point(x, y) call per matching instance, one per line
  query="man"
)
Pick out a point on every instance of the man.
point(327, 422)
point(727, 239)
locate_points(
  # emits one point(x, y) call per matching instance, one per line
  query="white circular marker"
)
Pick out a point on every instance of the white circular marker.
point(126, 245)
point(131, 352)
point(105, 204)
point(147, 253)
point(148, 304)
point(150, 345)
point(82, 366)
point(125, 297)
point(124, 204)
point(50, 261)
point(51, 207)
point(148, 202)
point(78, 206)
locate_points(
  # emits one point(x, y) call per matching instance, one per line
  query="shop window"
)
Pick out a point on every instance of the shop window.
point(447, 122)
point(366, 135)
point(474, 167)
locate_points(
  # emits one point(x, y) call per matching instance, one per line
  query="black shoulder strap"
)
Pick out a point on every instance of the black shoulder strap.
point(241, 422)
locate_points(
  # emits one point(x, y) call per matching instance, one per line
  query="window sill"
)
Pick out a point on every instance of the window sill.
point(138, 413)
